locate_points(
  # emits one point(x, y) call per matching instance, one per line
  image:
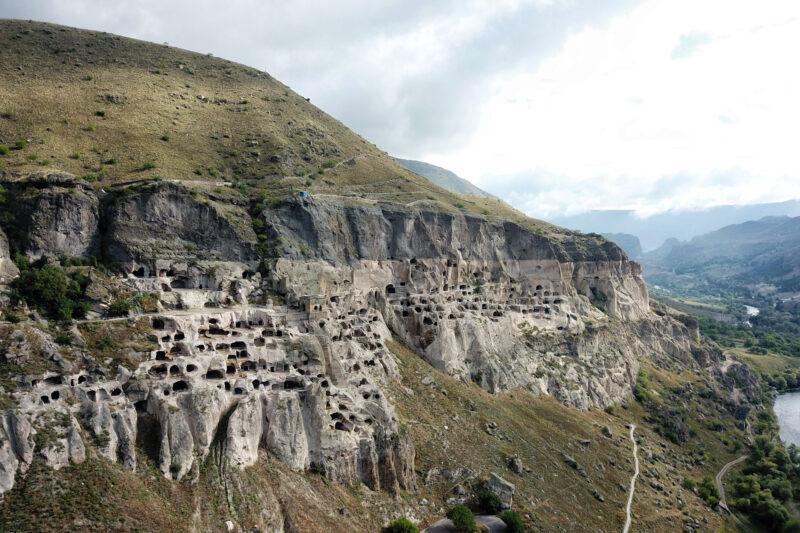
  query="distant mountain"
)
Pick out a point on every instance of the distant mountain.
point(443, 177)
point(682, 225)
point(629, 243)
point(765, 251)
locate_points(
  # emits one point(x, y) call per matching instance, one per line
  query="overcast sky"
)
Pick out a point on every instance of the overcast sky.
point(557, 106)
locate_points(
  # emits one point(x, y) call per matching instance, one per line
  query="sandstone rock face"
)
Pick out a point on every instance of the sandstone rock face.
point(165, 221)
point(492, 303)
point(8, 270)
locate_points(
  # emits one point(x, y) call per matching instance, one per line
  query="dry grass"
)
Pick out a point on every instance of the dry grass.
point(120, 110)
point(555, 496)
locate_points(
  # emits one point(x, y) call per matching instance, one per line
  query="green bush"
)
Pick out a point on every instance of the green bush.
point(4, 150)
point(463, 519)
point(489, 502)
point(63, 338)
point(13, 317)
point(513, 522)
point(401, 525)
point(148, 165)
point(708, 491)
point(119, 307)
point(688, 483)
point(45, 289)
point(642, 384)
point(100, 113)
point(21, 144)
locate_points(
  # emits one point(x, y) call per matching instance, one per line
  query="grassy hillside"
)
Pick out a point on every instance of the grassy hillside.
point(116, 110)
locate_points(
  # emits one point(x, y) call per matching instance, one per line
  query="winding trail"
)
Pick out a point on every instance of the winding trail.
point(633, 482)
point(722, 501)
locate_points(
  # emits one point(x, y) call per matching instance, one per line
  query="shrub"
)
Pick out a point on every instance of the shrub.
point(401, 525)
point(33, 157)
point(459, 205)
point(13, 317)
point(4, 149)
point(148, 165)
point(165, 137)
point(89, 127)
point(316, 468)
point(88, 77)
point(708, 491)
point(44, 288)
point(462, 518)
point(119, 307)
point(513, 522)
point(100, 113)
point(489, 502)
point(329, 164)
point(63, 338)
point(21, 144)
point(640, 389)
point(688, 483)
point(75, 155)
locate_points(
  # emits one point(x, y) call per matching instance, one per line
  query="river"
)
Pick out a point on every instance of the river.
point(787, 407)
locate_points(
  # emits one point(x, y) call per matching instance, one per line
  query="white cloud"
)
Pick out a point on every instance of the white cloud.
point(617, 110)
point(557, 105)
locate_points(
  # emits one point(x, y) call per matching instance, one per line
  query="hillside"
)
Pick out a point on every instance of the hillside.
point(115, 110)
point(188, 343)
point(678, 224)
point(443, 177)
point(740, 256)
point(629, 243)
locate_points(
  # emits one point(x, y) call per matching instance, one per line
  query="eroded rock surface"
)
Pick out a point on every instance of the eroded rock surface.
point(492, 303)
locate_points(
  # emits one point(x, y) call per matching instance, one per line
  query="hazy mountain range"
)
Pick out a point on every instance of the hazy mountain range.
point(443, 177)
point(681, 225)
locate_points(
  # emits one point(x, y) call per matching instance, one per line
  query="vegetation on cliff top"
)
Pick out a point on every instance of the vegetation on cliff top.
point(114, 110)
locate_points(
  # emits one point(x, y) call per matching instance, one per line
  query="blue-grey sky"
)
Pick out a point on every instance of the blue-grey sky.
point(558, 106)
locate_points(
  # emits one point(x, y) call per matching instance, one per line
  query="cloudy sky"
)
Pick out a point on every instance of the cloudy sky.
point(558, 106)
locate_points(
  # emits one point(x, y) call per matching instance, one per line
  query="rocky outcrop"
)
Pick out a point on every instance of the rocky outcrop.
point(8, 270)
point(57, 214)
point(167, 221)
point(493, 303)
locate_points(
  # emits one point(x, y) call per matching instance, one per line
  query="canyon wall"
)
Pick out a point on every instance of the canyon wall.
point(288, 352)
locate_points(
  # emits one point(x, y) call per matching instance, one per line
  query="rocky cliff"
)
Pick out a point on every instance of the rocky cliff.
point(287, 352)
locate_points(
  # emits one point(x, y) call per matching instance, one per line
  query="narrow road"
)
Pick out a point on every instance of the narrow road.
point(723, 503)
point(494, 524)
point(633, 482)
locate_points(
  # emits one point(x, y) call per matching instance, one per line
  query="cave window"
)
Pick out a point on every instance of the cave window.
point(180, 386)
point(214, 374)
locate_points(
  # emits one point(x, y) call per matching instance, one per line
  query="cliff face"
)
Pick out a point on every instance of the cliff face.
point(488, 302)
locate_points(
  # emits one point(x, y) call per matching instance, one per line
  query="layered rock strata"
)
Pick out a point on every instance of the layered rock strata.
point(491, 302)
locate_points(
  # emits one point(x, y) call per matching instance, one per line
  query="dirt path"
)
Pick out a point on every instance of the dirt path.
point(723, 503)
point(633, 482)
